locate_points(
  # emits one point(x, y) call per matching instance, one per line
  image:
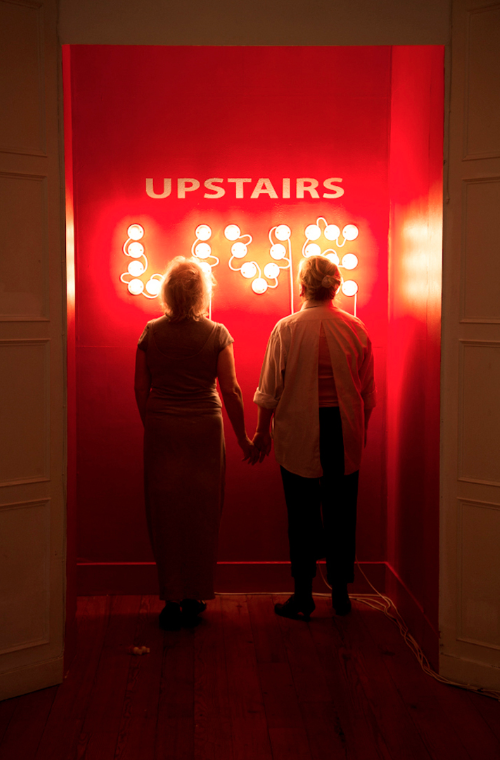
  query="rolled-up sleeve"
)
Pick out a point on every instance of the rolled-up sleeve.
point(367, 379)
point(270, 387)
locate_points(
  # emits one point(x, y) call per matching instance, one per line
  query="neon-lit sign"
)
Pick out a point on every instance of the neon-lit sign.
point(244, 187)
point(280, 250)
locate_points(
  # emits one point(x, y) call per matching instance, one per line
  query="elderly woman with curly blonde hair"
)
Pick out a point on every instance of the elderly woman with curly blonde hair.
point(317, 380)
point(179, 357)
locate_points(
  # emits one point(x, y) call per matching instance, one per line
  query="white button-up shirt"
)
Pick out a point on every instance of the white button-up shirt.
point(289, 384)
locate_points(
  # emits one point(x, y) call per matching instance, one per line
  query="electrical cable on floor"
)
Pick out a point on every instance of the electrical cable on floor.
point(379, 601)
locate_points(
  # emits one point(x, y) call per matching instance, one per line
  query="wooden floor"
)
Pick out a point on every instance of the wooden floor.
point(245, 685)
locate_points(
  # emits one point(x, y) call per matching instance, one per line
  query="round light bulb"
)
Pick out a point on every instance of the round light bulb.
point(271, 270)
point(349, 288)
point(153, 286)
point(333, 258)
point(203, 250)
point(239, 250)
point(205, 266)
point(278, 251)
point(135, 287)
point(282, 232)
point(313, 232)
point(135, 231)
point(136, 268)
point(259, 285)
point(312, 249)
point(135, 250)
point(248, 269)
point(332, 232)
point(232, 232)
point(350, 232)
point(350, 261)
point(203, 232)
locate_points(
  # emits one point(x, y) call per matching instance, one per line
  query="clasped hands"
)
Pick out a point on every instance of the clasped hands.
point(257, 449)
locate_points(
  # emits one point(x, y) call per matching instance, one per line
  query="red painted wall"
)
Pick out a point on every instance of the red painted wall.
point(199, 112)
point(413, 349)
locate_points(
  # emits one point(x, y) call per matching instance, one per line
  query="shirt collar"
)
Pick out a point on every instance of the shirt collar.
point(318, 305)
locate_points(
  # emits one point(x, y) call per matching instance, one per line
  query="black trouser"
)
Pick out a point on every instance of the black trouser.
point(322, 511)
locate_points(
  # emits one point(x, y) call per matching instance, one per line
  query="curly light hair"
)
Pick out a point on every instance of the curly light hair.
point(185, 289)
point(320, 278)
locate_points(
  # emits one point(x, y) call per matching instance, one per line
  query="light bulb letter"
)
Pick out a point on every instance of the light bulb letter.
point(238, 181)
point(167, 188)
point(286, 187)
point(328, 183)
point(307, 185)
point(186, 185)
point(264, 185)
point(210, 185)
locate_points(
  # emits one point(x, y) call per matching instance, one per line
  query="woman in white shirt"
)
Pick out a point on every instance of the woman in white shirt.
point(317, 380)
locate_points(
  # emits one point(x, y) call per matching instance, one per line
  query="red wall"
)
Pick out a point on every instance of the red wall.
point(199, 112)
point(413, 349)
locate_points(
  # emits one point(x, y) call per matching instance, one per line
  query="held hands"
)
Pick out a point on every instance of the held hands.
point(262, 443)
point(250, 453)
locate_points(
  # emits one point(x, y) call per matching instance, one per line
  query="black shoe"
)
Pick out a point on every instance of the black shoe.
point(170, 618)
point(295, 609)
point(340, 600)
point(191, 608)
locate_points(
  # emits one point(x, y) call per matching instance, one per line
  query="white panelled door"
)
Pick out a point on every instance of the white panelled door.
point(470, 476)
point(32, 502)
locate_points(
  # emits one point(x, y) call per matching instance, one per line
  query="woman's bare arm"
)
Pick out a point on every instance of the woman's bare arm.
point(233, 400)
point(142, 383)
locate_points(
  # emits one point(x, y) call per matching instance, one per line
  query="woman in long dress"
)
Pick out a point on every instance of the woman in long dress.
point(317, 380)
point(179, 357)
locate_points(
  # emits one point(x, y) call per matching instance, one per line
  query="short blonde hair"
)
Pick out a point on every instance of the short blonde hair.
point(319, 277)
point(185, 289)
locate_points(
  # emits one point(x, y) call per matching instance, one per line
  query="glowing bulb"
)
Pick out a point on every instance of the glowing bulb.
point(205, 266)
point(313, 232)
point(350, 232)
point(203, 250)
point(239, 250)
point(332, 232)
point(248, 269)
point(333, 258)
point(203, 232)
point(232, 232)
point(135, 231)
point(312, 249)
point(349, 288)
point(283, 232)
point(136, 268)
point(135, 250)
point(135, 287)
point(153, 287)
point(278, 251)
point(350, 261)
point(259, 285)
point(271, 270)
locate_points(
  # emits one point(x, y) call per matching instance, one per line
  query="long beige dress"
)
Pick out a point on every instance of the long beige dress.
point(184, 454)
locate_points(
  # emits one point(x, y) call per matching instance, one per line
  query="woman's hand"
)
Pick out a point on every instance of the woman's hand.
point(263, 443)
point(250, 453)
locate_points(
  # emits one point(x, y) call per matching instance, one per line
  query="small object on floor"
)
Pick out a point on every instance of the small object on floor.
point(140, 650)
point(340, 600)
point(170, 618)
point(191, 608)
point(295, 608)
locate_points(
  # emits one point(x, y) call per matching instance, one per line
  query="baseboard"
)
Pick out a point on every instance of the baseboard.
point(101, 578)
point(414, 616)
point(469, 672)
point(30, 678)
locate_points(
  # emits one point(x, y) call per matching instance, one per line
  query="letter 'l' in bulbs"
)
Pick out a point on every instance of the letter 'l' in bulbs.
point(135, 287)
point(203, 232)
point(135, 231)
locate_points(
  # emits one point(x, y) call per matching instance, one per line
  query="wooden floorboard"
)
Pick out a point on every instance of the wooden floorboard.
point(245, 685)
